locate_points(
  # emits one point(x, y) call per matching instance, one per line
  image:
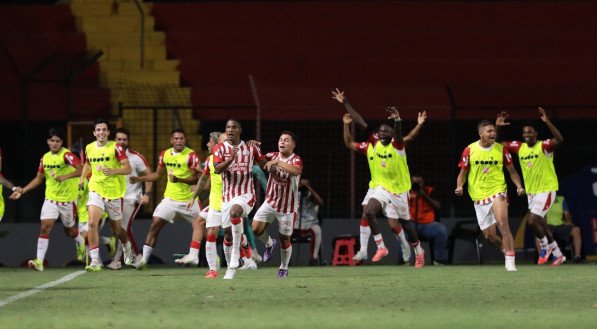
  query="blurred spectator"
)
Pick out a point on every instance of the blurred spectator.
point(422, 211)
point(559, 222)
point(308, 221)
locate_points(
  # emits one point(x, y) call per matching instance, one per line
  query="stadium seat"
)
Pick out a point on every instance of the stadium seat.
point(472, 235)
point(344, 250)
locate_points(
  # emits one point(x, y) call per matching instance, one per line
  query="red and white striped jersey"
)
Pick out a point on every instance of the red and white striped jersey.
point(282, 188)
point(238, 177)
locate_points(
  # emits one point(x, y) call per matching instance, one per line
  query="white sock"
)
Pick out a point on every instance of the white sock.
point(543, 243)
point(42, 247)
point(379, 241)
point(402, 238)
point(94, 253)
point(417, 247)
point(266, 239)
point(210, 254)
point(555, 249)
point(194, 252)
point(79, 239)
point(119, 250)
point(104, 239)
point(365, 234)
point(237, 231)
point(146, 253)
point(285, 255)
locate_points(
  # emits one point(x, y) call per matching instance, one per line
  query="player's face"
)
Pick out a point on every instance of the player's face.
point(233, 131)
point(487, 134)
point(210, 144)
point(101, 132)
point(178, 141)
point(55, 143)
point(286, 144)
point(529, 135)
point(123, 139)
point(385, 133)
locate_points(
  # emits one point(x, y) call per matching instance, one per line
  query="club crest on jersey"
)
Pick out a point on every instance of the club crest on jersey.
point(529, 164)
point(486, 170)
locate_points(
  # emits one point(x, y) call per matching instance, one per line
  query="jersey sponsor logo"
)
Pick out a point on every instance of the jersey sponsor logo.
point(530, 156)
point(53, 166)
point(491, 163)
point(173, 164)
point(100, 159)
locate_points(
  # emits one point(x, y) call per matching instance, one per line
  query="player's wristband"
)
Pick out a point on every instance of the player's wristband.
point(14, 189)
point(147, 193)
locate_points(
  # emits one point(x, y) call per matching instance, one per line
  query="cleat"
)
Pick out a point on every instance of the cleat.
point(361, 255)
point(94, 267)
point(267, 252)
point(249, 264)
point(140, 264)
point(282, 273)
point(510, 265)
point(129, 257)
point(81, 252)
point(114, 265)
point(248, 251)
point(187, 259)
point(379, 254)
point(558, 261)
point(211, 275)
point(405, 253)
point(112, 247)
point(230, 274)
point(36, 264)
point(544, 256)
point(420, 260)
point(257, 257)
point(234, 263)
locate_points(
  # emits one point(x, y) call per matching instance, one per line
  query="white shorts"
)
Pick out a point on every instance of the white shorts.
point(389, 212)
point(246, 201)
point(214, 218)
point(168, 209)
point(129, 211)
point(66, 211)
point(540, 203)
point(204, 212)
point(112, 207)
point(393, 205)
point(484, 212)
point(267, 214)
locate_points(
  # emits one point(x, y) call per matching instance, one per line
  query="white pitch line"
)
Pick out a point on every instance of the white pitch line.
point(41, 288)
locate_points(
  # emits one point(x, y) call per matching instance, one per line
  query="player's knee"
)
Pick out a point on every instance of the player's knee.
point(284, 242)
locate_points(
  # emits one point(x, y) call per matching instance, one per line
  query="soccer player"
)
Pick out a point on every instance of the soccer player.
point(59, 167)
point(281, 199)
point(482, 164)
point(540, 180)
point(134, 197)
point(234, 160)
point(179, 162)
point(7, 184)
point(389, 212)
point(109, 165)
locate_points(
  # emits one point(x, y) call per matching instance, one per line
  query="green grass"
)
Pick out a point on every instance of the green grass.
point(311, 297)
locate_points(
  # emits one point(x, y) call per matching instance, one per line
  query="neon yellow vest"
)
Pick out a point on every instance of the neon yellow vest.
point(388, 167)
point(82, 197)
point(177, 165)
point(54, 166)
point(215, 192)
point(555, 214)
point(109, 187)
point(486, 174)
point(1, 203)
point(537, 168)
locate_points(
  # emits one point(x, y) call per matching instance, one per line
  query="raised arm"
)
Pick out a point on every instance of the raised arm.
point(500, 121)
point(395, 115)
point(346, 134)
point(557, 139)
point(412, 135)
point(312, 193)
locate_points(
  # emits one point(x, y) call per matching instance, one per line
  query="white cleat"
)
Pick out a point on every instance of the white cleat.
point(249, 264)
point(405, 253)
point(114, 265)
point(140, 264)
point(361, 255)
point(187, 259)
point(230, 274)
point(129, 257)
point(510, 265)
point(234, 260)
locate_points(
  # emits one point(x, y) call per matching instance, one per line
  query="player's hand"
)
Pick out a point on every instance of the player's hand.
point(174, 179)
point(60, 179)
point(520, 191)
point(303, 182)
point(252, 143)
point(422, 117)
point(459, 191)
point(544, 117)
point(16, 195)
point(501, 119)
point(347, 119)
point(268, 166)
point(134, 180)
point(190, 205)
point(338, 95)
point(81, 185)
point(107, 171)
point(394, 114)
point(144, 199)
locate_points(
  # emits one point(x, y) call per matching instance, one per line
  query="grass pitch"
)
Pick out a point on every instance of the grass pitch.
point(311, 297)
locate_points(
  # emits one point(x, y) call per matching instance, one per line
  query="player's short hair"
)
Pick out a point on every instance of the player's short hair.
point(382, 125)
point(100, 121)
point(484, 123)
point(289, 133)
point(177, 130)
point(215, 136)
point(530, 124)
point(236, 121)
point(55, 132)
point(123, 130)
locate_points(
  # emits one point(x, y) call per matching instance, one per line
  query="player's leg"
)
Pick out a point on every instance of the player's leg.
point(236, 221)
point(43, 240)
point(68, 215)
point(364, 231)
point(373, 207)
point(500, 212)
point(400, 236)
point(95, 214)
point(213, 223)
point(285, 227)
point(150, 240)
point(263, 217)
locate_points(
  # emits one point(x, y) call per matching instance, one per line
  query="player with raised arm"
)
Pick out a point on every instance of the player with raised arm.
point(58, 167)
point(234, 160)
point(393, 218)
point(179, 162)
point(482, 164)
point(281, 199)
point(134, 197)
point(109, 165)
point(540, 180)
